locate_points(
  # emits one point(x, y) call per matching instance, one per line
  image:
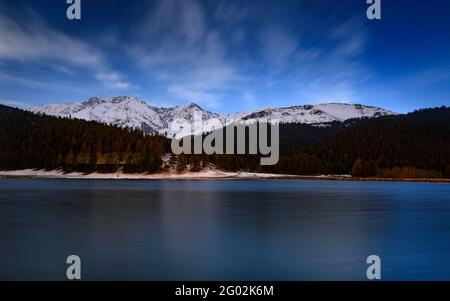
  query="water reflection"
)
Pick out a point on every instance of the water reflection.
point(224, 230)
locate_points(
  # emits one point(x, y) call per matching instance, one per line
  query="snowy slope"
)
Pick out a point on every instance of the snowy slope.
point(186, 112)
point(317, 114)
point(120, 111)
point(127, 111)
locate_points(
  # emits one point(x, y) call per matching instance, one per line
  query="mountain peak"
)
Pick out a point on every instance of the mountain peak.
point(193, 105)
point(119, 99)
point(94, 100)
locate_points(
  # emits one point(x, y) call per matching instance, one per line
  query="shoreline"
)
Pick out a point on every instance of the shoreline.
point(209, 174)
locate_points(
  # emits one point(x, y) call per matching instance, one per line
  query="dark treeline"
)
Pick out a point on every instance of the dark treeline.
point(34, 141)
point(292, 137)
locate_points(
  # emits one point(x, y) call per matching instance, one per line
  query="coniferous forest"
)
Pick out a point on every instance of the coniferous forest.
point(44, 142)
point(415, 145)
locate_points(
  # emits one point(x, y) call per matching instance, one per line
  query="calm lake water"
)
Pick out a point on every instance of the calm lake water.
point(223, 230)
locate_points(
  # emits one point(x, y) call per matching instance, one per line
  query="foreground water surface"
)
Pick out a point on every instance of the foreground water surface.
point(223, 230)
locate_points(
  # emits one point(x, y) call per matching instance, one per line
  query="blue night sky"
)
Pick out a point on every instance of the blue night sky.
point(227, 56)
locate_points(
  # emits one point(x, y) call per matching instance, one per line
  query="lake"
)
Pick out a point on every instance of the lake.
point(223, 230)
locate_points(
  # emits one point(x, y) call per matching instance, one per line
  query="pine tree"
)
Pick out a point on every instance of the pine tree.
point(357, 169)
point(181, 163)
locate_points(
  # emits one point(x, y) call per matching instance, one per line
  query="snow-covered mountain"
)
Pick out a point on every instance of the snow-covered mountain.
point(120, 111)
point(126, 111)
point(317, 114)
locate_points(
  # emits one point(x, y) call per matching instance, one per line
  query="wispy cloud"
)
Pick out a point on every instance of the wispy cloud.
point(34, 42)
point(180, 47)
point(290, 69)
point(182, 52)
point(112, 80)
point(278, 46)
point(430, 76)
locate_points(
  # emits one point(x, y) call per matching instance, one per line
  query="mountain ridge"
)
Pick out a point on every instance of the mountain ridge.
point(130, 111)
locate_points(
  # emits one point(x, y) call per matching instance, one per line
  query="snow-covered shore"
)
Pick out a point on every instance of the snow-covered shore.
point(205, 174)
